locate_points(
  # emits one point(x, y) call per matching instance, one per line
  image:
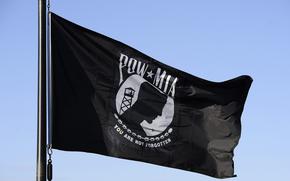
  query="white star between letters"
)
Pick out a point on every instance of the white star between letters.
point(150, 74)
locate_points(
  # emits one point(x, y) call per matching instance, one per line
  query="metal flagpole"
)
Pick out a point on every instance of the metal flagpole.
point(41, 108)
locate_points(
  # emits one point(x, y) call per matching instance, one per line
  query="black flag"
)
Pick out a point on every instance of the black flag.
point(111, 99)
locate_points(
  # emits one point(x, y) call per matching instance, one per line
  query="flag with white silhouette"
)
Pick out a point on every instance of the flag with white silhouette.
point(111, 99)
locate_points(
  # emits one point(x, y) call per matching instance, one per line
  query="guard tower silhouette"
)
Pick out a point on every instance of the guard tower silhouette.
point(127, 100)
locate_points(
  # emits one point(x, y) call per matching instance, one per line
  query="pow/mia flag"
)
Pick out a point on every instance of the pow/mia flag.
point(111, 99)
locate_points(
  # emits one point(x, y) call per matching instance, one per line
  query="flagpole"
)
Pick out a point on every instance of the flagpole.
point(41, 108)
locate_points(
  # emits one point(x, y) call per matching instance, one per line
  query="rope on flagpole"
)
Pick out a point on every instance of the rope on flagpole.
point(49, 144)
point(48, 5)
point(49, 77)
point(49, 163)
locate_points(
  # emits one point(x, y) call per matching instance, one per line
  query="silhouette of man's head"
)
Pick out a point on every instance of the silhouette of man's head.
point(148, 106)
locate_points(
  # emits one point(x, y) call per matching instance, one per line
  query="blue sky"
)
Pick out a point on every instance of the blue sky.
point(215, 40)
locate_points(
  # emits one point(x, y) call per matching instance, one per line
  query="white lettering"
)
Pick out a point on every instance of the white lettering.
point(123, 61)
point(172, 88)
point(131, 69)
point(167, 82)
point(141, 70)
point(158, 79)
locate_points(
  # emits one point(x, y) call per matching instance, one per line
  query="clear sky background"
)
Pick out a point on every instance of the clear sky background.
point(213, 39)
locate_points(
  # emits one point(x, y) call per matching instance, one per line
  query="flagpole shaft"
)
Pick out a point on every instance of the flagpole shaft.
point(41, 109)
